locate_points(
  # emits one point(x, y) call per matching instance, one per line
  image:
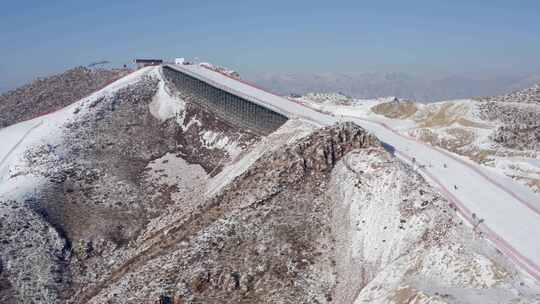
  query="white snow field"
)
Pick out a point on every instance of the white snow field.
point(506, 212)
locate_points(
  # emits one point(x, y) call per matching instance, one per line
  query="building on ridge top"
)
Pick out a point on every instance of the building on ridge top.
point(141, 63)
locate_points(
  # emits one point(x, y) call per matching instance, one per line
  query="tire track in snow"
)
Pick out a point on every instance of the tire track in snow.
point(25, 135)
point(531, 206)
point(524, 262)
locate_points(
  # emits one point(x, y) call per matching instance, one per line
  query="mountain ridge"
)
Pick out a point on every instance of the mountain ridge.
point(133, 193)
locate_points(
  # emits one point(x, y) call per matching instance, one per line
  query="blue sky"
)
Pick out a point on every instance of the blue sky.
point(472, 37)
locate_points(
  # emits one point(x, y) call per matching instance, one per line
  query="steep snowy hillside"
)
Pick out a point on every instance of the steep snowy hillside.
point(399, 241)
point(132, 194)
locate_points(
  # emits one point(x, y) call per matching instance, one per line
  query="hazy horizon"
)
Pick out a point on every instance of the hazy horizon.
point(426, 39)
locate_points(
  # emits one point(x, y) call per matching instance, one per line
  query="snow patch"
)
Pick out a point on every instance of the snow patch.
point(165, 105)
point(216, 140)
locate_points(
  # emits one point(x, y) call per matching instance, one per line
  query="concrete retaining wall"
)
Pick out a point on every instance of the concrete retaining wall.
point(235, 110)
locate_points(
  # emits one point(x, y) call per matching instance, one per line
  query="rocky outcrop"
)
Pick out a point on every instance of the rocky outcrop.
point(264, 239)
point(312, 157)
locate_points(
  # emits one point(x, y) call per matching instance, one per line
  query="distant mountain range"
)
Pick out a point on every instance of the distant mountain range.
point(402, 85)
point(372, 84)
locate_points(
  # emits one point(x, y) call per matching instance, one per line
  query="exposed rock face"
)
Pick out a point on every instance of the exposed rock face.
point(320, 151)
point(265, 238)
point(52, 93)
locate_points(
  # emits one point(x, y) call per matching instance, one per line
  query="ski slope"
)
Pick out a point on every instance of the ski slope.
point(509, 211)
point(506, 212)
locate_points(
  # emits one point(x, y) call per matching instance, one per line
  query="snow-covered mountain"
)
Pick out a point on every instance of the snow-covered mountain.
point(133, 193)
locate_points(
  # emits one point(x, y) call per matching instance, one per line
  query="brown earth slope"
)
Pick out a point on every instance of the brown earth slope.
point(52, 93)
